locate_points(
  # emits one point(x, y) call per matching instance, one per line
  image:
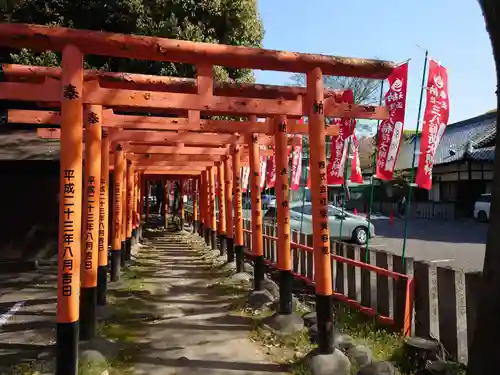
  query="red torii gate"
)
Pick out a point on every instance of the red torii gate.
point(72, 92)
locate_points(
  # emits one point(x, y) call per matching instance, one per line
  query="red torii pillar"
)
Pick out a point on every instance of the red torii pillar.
point(319, 197)
point(229, 210)
point(195, 185)
point(70, 212)
point(117, 215)
point(102, 270)
point(92, 174)
point(211, 203)
point(238, 215)
point(181, 202)
point(204, 213)
point(221, 229)
point(256, 207)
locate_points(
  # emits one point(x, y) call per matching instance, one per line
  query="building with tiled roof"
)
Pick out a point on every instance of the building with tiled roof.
point(463, 165)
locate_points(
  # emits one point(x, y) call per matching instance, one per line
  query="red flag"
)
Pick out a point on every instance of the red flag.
point(245, 174)
point(309, 177)
point(436, 115)
point(339, 147)
point(296, 164)
point(271, 171)
point(356, 175)
point(390, 131)
point(263, 168)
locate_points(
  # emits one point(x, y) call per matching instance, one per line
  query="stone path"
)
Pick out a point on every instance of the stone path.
point(188, 328)
point(27, 330)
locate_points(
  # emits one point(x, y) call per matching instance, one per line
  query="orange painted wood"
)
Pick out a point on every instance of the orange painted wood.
point(195, 185)
point(235, 105)
point(184, 137)
point(70, 190)
point(164, 123)
point(94, 94)
point(43, 92)
point(186, 167)
point(104, 202)
point(42, 38)
point(49, 133)
point(187, 150)
point(221, 196)
point(145, 149)
point(117, 214)
point(160, 171)
point(205, 158)
point(238, 202)
point(282, 194)
point(194, 164)
point(319, 188)
point(255, 193)
point(228, 185)
point(167, 100)
point(34, 117)
point(16, 72)
point(203, 200)
point(211, 198)
point(174, 158)
point(91, 177)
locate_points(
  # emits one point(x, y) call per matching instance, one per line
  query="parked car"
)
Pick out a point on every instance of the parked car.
point(354, 227)
point(482, 208)
point(267, 199)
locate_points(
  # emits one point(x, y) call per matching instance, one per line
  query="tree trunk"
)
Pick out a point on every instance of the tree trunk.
point(484, 356)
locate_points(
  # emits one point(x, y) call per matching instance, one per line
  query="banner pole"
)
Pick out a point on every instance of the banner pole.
point(412, 170)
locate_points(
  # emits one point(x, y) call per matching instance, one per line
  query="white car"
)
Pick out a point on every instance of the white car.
point(482, 208)
point(342, 225)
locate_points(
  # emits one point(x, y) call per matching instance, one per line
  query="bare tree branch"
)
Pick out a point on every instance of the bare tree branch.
point(366, 91)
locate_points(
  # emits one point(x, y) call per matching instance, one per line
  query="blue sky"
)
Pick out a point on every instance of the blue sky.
point(452, 30)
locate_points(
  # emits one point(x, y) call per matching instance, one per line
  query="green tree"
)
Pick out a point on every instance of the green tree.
point(234, 22)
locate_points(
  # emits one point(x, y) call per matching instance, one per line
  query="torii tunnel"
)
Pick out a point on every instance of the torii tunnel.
point(97, 122)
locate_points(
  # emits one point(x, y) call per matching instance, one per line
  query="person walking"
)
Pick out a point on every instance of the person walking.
point(402, 206)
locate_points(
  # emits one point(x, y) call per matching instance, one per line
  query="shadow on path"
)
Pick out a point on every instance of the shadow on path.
point(188, 328)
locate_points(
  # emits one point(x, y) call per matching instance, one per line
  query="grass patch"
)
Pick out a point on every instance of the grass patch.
point(236, 292)
point(130, 306)
point(288, 350)
point(384, 343)
point(132, 280)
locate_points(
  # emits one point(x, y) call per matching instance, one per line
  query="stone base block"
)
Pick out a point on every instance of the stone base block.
point(284, 324)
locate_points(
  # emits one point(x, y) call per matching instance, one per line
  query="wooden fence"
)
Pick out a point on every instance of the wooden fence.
point(418, 210)
point(442, 300)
